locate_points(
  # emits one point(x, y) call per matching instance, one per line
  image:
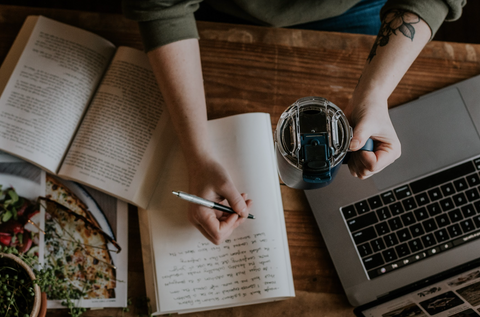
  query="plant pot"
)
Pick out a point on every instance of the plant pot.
point(40, 300)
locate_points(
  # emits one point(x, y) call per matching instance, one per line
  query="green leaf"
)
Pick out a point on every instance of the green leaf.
point(14, 212)
point(7, 216)
point(13, 195)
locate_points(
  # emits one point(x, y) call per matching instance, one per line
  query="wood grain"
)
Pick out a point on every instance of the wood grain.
point(246, 69)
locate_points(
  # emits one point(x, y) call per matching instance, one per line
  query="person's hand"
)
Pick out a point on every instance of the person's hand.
point(211, 181)
point(371, 120)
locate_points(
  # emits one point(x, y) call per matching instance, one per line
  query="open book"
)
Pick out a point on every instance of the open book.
point(184, 272)
point(80, 108)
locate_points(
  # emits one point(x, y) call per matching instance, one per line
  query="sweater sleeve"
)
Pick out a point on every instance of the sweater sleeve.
point(433, 12)
point(162, 21)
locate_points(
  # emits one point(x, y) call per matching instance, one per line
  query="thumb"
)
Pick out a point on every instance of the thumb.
point(360, 137)
point(236, 201)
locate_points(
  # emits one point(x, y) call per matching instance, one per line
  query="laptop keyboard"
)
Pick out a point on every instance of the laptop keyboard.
point(417, 220)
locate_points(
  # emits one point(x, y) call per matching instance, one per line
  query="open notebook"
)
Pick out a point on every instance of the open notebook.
point(183, 270)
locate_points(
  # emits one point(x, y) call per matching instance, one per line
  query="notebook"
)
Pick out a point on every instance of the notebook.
point(420, 216)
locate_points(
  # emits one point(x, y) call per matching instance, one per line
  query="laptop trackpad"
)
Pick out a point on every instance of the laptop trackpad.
point(435, 131)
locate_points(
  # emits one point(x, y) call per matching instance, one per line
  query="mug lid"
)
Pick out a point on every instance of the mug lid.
point(313, 134)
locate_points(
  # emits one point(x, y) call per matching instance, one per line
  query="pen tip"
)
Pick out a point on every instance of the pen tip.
point(175, 193)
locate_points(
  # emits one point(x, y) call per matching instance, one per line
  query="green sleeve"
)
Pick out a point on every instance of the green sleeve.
point(163, 21)
point(433, 12)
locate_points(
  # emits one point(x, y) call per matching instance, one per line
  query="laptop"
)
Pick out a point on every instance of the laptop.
point(417, 219)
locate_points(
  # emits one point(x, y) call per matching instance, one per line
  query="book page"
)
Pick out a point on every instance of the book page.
point(117, 148)
point(253, 265)
point(45, 97)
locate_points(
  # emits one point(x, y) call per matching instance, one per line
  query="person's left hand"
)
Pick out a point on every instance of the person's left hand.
point(371, 120)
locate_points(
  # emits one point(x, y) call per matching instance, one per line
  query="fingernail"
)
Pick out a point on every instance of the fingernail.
point(354, 144)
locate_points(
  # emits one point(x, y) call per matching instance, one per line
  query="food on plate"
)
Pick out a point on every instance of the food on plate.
point(19, 221)
point(75, 244)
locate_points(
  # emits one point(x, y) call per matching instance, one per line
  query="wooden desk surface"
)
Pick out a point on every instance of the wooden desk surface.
point(249, 69)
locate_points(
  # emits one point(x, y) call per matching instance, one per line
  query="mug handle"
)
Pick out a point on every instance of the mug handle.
point(369, 145)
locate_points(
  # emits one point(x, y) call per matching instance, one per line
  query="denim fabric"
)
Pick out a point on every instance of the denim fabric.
point(363, 18)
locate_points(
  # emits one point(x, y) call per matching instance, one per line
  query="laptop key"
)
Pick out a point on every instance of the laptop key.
point(460, 184)
point(435, 194)
point(455, 215)
point(433, 251)
point(390, 240)
point(421, 213)
point(467, 225)
point(468, 211)
point(422, 199)
point(441, 235)
point(362, 207)
point(383, 213)
point(373, 261)
point(472, 194)
point(446, 246)
point(364, 235)
point(416, 230)
point(396, 208)
point(349, 212)
point(409, 203)
point(402, 192)
point(382, 228)
point(447, 189)
point(459, 199)
point(434, 209)
point(415, 245)
point(389, 255)
point(442, 220)
point(388, 197)
point(402, 250)
point(447, 204)
point(377, 245)
point(408, 218)
point(375, 202)
point(473, 179)
point(429, 240)
point(395, 223)
point(362, 221)
point(454, 230)
point(429, 225)
point(404, 235)
point(364, 250)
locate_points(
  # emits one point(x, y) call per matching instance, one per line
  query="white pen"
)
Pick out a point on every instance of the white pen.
point(207, 203)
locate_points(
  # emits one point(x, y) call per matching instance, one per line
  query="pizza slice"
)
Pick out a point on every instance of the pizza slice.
point(75, 244)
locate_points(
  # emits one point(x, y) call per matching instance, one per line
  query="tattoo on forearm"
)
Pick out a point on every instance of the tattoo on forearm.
point(396, 20)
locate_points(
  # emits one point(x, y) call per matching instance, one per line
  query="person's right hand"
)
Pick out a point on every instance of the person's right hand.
point(211, 181)
point(370, 119)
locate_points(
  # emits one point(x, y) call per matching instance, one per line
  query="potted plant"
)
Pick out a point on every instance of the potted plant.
point(20, 294)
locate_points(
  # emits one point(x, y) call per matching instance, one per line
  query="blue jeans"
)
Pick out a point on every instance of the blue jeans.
point(363, 18)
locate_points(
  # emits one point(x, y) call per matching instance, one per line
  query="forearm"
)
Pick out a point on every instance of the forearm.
point(178, 72)
point(401, 38)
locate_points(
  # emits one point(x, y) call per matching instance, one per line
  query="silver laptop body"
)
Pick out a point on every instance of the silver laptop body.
point(436, 131)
